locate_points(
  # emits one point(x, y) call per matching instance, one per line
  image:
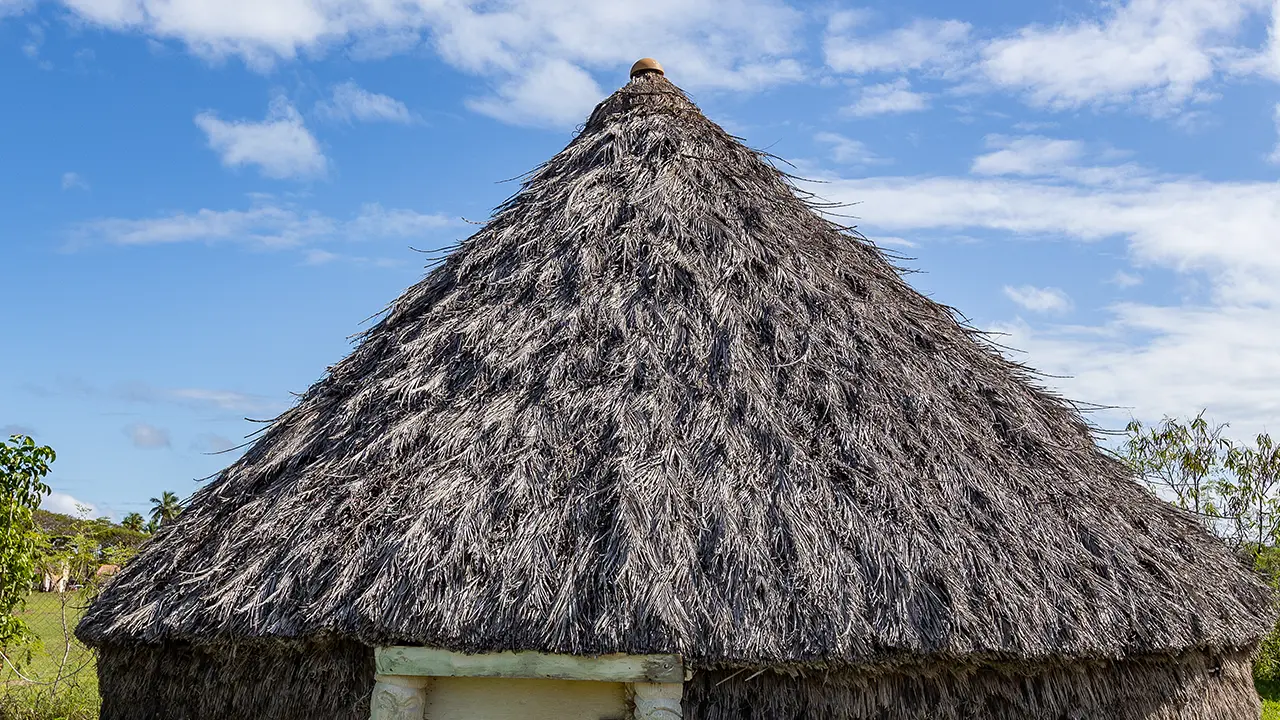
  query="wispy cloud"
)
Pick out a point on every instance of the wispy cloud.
point(147, 437)
point(212, 443)
point(1038, 156)
point(1147, 357)
point(888, 99)
point(73, 181)
point(375, 221)
point(1275, 153)
point(280, 146)
point(557, 93)
point(263, 225)
point(1126, 280)
point(266, 224)
point(1158, 53)
point(923, 44)
point(1030, 155)
point(848, 151)
point(197, 398)
point(517, 47)
point(31, 47)
point(1038, 299)
point(348, 102)
point(203, 399)
point(221, 399)
point(7, 430)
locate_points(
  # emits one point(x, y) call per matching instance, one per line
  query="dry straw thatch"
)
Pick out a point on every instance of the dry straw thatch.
point(660, 404)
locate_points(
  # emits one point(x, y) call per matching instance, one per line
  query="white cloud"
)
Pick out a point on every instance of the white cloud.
point(1234, 222)
point(1148, 361)
point(375, 221)
point(212, 443)
point(147, 437)
point(847, 151)
point(1205, 351)
point(266, 224)
point(1157, 52)
point(1272, 51)
point(60, 502)
point(1037, 156)
point(1029, 155)
point(888, 98)
point(555, 93)
point(263, 225)
point(1275, 153)
point(281, 146)
point(731, 44)
point(1126, 280)
point(71, 181)
point(922, 44)
point(316, 256)
point(35, 38)
point(1037, 299)
point(202, 399)
point(705, 44)
point(221, 399)
point(891, 240)
point(350, 102)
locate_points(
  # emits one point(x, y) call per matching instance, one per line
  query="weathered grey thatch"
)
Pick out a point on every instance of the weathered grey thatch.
point(660, 404)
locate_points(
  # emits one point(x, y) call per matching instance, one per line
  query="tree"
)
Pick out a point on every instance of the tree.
point(1252, 492)
point(165, 508)
point(1234, 489)
point(134, 521)
point(23, 466)
point(1179, 459)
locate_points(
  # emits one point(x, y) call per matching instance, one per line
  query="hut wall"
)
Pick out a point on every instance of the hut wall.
point(334, 680)
point(1189, 687)
point(456, 698)
point(294, 681)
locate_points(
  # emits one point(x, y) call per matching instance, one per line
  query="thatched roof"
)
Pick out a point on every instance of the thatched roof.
point(661, 404)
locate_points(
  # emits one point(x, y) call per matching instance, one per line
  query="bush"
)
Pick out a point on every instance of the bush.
point(1266, 664)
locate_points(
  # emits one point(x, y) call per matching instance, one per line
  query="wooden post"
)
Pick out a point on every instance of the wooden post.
point(397, 697)
point(657, 701)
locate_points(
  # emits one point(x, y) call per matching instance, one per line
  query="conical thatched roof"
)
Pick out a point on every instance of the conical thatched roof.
point(659, 404)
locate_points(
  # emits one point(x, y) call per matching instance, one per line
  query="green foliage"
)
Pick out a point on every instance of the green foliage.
point(134, 521)
point(81, 546)
point(1266, 664)
point(165, 508)
point(1252, 491)
point(1179, 459)
point(1269, 691)
point(23, 466)
point(1235, 489)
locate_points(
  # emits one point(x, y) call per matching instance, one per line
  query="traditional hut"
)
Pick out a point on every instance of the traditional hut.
point(661, 440)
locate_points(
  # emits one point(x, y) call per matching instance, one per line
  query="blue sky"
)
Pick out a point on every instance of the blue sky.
point(203, 201)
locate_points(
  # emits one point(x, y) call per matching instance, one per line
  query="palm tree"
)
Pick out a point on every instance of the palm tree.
point(134, 521)
point(165, 508)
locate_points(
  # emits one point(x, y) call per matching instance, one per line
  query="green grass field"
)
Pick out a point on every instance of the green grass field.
point(54, 677)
